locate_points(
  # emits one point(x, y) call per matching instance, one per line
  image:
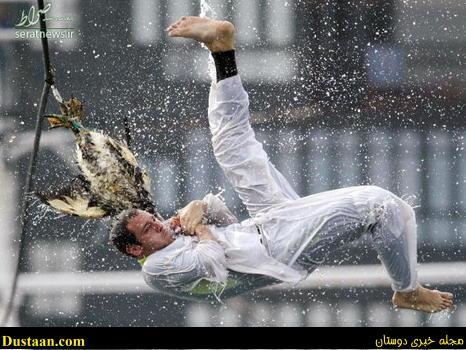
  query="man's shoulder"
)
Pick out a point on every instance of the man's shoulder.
point(161, 260)
point(162, 254)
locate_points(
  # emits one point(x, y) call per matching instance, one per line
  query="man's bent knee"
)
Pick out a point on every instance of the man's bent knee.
point(386, 207)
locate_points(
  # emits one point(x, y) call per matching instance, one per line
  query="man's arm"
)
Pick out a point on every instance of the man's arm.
point(204, 234)
point(211, 208)
point(183, 268)
point(217, 213)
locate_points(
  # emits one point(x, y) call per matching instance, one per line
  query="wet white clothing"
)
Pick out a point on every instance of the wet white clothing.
point(287, 237)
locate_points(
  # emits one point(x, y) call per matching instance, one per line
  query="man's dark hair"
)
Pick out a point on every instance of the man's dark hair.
point(120, 236)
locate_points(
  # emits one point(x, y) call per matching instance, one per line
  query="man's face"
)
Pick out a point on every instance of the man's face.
point(151, 233)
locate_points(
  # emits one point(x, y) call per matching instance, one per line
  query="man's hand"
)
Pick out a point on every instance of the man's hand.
point(191, 216)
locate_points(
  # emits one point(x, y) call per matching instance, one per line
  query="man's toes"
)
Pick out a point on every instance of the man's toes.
point(447, 304)
point(448, 299)
point(174, 32)
point(182, 21)
point(447, 295)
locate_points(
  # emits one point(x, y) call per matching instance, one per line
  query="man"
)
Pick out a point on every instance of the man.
point(287, 237)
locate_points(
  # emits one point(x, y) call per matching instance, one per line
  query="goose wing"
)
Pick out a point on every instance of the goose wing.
point(74, 199)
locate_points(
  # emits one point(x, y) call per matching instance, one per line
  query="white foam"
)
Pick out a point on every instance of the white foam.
point(208, 12)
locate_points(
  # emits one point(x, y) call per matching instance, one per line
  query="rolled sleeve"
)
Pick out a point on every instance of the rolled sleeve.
point(217, 212)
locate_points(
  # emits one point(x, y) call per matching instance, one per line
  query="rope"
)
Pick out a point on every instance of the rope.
point(49, 80)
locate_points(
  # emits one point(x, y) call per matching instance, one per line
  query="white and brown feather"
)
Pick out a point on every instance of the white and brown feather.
point(112, 180)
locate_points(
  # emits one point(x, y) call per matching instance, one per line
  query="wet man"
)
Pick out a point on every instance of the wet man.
point(287, 237)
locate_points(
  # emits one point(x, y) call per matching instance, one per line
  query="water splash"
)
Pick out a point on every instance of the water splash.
point(43, 211)
point(411, 199)
point(208, 12)
point(56, 94)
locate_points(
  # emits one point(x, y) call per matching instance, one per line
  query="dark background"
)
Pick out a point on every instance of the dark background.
point(342, 93)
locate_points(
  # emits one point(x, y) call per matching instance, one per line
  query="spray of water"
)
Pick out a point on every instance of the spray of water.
point(208, 12)
point(411, 199)
point(56, 94)
point(43, 211)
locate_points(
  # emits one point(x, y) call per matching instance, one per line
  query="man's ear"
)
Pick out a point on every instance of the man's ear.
point(134, 250)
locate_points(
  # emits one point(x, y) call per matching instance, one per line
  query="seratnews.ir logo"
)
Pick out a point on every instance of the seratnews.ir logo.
point(29, 27)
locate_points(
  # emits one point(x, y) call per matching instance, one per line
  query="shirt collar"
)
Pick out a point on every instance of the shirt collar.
point(142, 260)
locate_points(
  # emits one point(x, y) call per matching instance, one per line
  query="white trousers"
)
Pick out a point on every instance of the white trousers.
point(304, 230)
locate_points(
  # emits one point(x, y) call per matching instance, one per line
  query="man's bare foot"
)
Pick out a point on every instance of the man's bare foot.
point(423, 299)
point(216, 35)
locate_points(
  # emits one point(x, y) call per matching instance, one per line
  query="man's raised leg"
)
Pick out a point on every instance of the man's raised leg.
point(242, 158)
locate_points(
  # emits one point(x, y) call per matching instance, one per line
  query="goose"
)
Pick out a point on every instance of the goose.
point(110, 179)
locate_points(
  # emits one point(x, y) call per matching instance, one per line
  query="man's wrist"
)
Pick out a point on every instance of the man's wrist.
point(203, 232)
point(205, 210)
